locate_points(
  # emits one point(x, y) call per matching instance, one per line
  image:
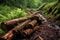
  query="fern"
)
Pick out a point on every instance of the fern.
point(8, 13)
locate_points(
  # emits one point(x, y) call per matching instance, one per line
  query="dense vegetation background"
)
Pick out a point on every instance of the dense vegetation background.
point(11, 9)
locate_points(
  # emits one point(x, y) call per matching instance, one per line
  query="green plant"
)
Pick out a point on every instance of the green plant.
point(1, 32)
point(8, 13)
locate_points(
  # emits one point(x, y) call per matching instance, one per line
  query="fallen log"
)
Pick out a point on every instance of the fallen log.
point(8, 25)
point(9, 35)
point(31, 24)
point(28, 32)
point(45, 31)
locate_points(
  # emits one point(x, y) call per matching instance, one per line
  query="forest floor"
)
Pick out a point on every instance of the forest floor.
point(32, 27)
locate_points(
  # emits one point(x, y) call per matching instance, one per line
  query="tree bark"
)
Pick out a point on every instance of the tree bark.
point(10, 34)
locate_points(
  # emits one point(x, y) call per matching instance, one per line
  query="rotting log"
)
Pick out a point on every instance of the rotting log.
point(8, 25)
point(9, 35)
point(28, 32)
point(45, 31)
point(31, 24)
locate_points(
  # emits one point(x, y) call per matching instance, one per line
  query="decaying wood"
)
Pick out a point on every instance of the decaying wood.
point(34, 27)
point(8, 25)
point(28, 32)
point(10, 34)
point(31, 24)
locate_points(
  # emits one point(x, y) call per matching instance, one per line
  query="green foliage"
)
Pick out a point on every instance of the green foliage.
point(1, 32)
point(16, 13)
point(48, 1)
point(34, 3)
point(52, 11)
point(8, 13)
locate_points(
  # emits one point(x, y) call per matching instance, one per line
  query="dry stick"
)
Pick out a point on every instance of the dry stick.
point(10, 34)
